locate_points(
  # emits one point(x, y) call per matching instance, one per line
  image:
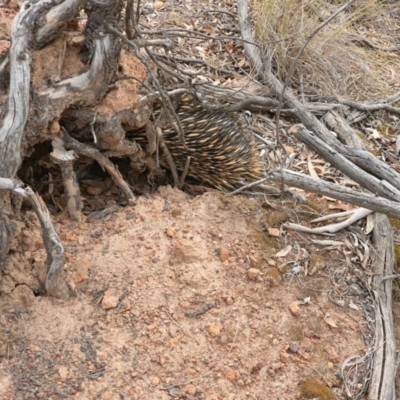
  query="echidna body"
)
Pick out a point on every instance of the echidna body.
point(223, 153)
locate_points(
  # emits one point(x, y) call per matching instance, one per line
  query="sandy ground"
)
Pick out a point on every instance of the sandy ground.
point(175, 297)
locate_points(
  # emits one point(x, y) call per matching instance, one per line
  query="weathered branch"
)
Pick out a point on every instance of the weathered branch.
point(55, 283)
point(91, 152)
point(253, 52)
point(355, 173)
point(382, 385)
point(301, 181)
point(55, 20)
point(65, 159)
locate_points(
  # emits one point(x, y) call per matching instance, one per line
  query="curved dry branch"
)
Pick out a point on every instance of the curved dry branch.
point(55, 19)
point(55, 283)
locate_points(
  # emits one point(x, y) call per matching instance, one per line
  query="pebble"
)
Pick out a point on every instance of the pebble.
point(284, 357)
point(111, 298)
point(185, 252)
point(223, 254)
point(171, 232)
point(294, 347)
point(294, 308)
point(253, 274)
point(173, 331)
point(63, 372)
point(158, 4)
point(214, 330)
point(155, 381)
point(273, 232)
point(254, 261)
point(190, 389)
point(93, 190)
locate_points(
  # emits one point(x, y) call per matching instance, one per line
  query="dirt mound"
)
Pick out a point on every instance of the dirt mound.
point(175, 296)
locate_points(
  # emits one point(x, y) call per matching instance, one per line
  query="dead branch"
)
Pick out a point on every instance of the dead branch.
point(65, 159)
point(332, 190)
point(55, 19)
point(354, 216)
point(345, 132)
point(172, 114)
point(55, 283)
point(382, 385)
point(93, 153)
point(355, 173)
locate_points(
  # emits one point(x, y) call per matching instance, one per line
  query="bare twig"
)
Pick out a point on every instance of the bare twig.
point(81, 148)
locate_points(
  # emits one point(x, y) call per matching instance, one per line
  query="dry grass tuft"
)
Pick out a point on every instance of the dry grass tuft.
point(339, 60)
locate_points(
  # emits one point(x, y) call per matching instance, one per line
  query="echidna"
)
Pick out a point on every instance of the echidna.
point(223, 152)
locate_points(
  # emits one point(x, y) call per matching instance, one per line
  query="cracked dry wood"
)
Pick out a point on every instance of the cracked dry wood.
point(49, 103)
point(382, 385)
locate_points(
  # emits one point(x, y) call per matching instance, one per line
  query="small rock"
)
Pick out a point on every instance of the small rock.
point(230, 375)
point(190, 389)
point(273, 232)
point(63, 372)
point(254, 261)
point(214, 330)
point(82, 271)
point(172, 331)
point(289, 149)
point(185, 252)
point(284, 357)
point(223, 254)
point(224, 339)
point(294, 347)
point(158, 4)
point(155, 381)
point(294, 308)
point(253, 274)
point(94, 190)
point(276, 366)
point(111, 298)
point(171, 232)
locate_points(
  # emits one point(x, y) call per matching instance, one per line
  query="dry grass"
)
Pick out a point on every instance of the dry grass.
point(334, 63)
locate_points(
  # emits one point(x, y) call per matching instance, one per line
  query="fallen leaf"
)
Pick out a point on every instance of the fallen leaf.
point(306, 300)
point(370, 224)
point(311, 169)
point(284, 252)
point(330, 321)
point(353, 306)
